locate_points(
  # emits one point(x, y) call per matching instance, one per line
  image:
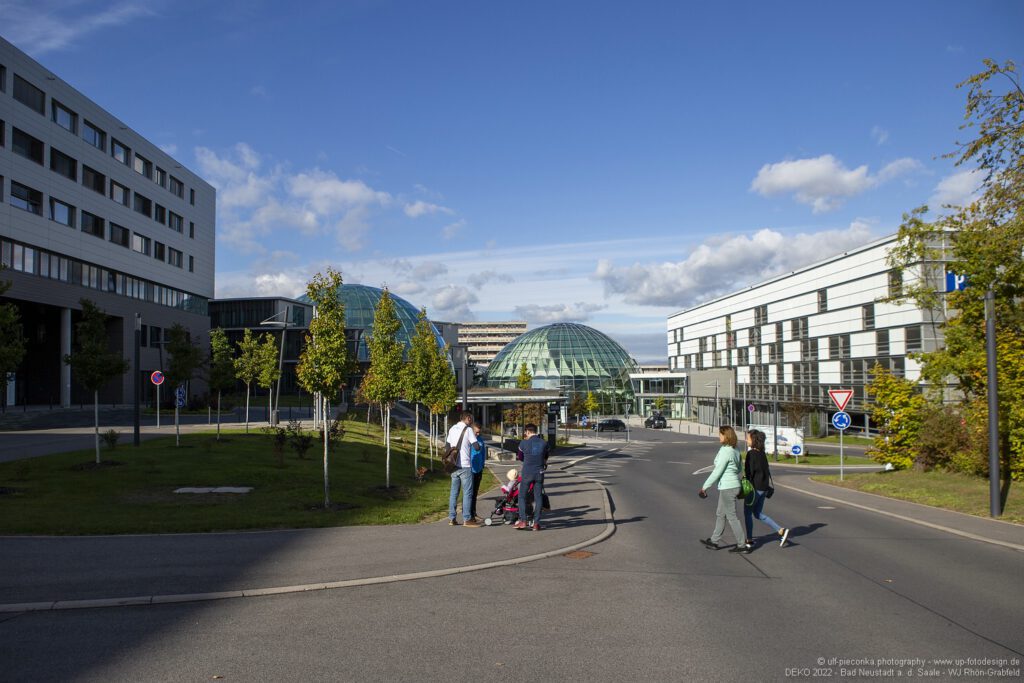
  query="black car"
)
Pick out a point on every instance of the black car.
point(610, 425)
point(656, 422)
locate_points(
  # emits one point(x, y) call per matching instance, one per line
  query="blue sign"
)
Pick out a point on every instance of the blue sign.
point(584, 421)
point(795, 449)
point(841, 420)
point(180, 393)
point(954, 282)
point(180, 402)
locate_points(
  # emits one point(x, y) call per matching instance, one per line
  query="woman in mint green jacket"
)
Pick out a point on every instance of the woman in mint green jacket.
point(727, 474)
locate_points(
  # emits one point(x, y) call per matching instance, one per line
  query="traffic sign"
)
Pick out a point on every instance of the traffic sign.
point(179, 393)
point(795, 449)
point(840, 397)
point(841, 420)
point(180, 402)
point(584, 421)
point(157, 377)
point(750, 407)
point(955, 283)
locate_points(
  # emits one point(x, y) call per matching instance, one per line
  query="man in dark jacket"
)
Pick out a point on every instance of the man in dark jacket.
point(535, 459)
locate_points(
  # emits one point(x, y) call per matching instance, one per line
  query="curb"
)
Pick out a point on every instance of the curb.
point(930, 525)
point(52, 605)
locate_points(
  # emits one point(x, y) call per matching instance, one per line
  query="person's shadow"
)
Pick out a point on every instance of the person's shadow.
point(794, 533)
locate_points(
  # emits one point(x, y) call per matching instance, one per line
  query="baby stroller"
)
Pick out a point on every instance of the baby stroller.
point(506, 509)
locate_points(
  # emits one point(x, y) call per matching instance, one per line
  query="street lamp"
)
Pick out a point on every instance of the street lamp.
point(284, 325)
point(137, 418)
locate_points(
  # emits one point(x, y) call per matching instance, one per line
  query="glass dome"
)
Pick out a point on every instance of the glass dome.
point(360, 303)
point(568, 356)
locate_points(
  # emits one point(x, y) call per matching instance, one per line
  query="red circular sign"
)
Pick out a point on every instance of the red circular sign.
point(157, 377)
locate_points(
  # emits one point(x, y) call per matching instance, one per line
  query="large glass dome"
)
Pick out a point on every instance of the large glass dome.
point(360, 303)
point(568, 356)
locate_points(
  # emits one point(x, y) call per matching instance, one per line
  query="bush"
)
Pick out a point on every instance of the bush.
point(942, 438)
point(110, 438)
point(301, 441)
point(279, 438)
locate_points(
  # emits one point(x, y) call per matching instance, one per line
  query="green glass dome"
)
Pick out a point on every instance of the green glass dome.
point(568, 356)
point(360, 303)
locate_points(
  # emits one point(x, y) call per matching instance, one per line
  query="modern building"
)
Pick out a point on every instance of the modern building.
point(486, 339)
point(91, 209)
point(790, 339)
point(572, 358)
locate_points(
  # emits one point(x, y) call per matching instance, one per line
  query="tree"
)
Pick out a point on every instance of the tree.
point(591, 404)
point(12, 342)
point(324, 360)
point(383, 381)
point(416, 380)
point(659, 403)
point(984, 242)
point(577, 406)
point(269, 369)
point(444, 391)
point(898, 410)
point(183, 359)
point(222, 368)
point(91, 361)
point(247, 366)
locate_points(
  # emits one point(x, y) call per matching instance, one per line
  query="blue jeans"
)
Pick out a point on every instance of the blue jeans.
point(462, 477)
point(538, 496)
point(757, 510)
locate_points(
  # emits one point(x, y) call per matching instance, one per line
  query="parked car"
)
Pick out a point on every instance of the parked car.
point(656, 422)
point(610, 425)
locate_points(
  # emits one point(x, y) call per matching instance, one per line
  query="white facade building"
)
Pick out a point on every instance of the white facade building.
point(794, 337)
point(91, 209)
point(486, 339)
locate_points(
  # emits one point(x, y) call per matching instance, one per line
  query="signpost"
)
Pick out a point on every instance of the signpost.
point(179, 402)
point(157, 378)
point(796, 449)
point(841, 421)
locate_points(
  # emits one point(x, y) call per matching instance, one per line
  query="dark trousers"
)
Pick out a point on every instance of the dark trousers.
point(476, 492)
point(538, 495)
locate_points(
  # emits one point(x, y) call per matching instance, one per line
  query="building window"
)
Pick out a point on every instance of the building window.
point(159, 214)
point(191, 230)
point(192, 196)
point(174, 221)
point(3, 78)
point(93, 135)
point(120, 152)
point(868, 316)
point(174, 257)
point(119, 193)
point(143, 166)
point(177, 187)
point(913, 338)
point(159, 251)
point(761, 315)
point(161, 177)
point(120, 235)
point(92, 225)
point(882, 342)
point(27, 199)
point(895, 284)
point(143, 205)
point(822, 300)
point(94, 180)
point(63, 164)
point(62, 213)
point(63, 117)
point(29, 95)
point(798, 326)
point(27, 146)
point(140, 244)
point(3, 133)
point(191, 264)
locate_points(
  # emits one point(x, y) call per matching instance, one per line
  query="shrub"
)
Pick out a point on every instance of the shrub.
point(301, 441)
point(943, 437)
point(279, 438)
point(110, 438)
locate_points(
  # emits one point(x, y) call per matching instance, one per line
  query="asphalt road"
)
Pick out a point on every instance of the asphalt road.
point(650, 604)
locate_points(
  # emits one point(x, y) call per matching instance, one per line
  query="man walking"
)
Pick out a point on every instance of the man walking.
point(462, 437)
point(535, 459)
point(479, 458)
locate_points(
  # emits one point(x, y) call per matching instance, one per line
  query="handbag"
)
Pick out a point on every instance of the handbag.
point(746, 487)
point(770, 491)
point(450, 459)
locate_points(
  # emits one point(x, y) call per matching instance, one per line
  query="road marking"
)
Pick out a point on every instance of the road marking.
point(676, 462)
point(825, 507)
point(704, 470)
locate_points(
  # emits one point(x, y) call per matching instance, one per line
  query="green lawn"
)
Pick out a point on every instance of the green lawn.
point(56, 495)
point(947, 490)
point(847, 440)
point(811, 459)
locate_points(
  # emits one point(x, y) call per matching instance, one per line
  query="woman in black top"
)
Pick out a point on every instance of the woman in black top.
point(756, 469)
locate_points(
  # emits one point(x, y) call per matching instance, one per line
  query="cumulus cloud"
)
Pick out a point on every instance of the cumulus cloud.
point(823, 182)
point(558, 313)
point(720, 266)
point(478, 280)
point(453, 301)
point(429, 270)
point(421, 208)
point(41, 26)
point(957, 189)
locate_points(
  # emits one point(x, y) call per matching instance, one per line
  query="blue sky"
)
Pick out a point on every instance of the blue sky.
point(608, 163)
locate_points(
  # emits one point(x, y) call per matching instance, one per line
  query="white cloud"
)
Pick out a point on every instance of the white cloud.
point(720, 266)
point(452, 229)
point(879, 135)
point(259, 91)
point(169, 148)
point(453, 301)
point(41, 26)
point(823, 182)
point(326, 193)
point(557, 313)
point(478, 280)
point(428, 270)
point(421, 208)
point(957, 189)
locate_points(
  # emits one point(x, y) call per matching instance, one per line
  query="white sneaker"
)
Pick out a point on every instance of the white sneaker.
point(785, 536)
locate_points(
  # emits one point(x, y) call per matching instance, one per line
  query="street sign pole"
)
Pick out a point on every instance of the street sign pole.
point(841, 454)
point(158, 406)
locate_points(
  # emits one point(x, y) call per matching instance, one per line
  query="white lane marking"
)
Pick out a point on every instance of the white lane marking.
point(703, 470)
point(642, 459)
point(676, 462)
point(825, 507)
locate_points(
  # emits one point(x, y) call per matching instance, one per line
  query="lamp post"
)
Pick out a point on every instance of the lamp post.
point(270, 322)
point(137, 417)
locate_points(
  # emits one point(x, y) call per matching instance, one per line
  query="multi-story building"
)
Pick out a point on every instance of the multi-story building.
point(485, 339)
point(90, 209)
point(794, 337)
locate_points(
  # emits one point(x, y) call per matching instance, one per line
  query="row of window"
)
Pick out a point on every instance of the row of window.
point(33, 149)
point(31, 200)
point(35, 99)
point(35, 261)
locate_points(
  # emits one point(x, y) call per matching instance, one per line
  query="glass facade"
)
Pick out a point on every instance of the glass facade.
point(574, 358)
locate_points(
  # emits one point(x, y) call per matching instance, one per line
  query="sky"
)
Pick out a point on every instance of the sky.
point(608, 163)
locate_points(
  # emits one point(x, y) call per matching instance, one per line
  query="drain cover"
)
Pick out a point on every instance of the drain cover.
point(579, 554)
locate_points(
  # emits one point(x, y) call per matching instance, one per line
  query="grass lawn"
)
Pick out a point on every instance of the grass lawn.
point(811, 459)
point(847, 440)
point(939, 489)
point(57, 495)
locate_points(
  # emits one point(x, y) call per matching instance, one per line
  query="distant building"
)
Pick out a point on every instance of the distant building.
point(486, 339)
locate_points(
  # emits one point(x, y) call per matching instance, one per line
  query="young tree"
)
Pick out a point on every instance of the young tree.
point(383, 381)
point(183, 359)
point(444, 391)
point(12, 342)
point(324, 360)
point(417, 377)
point(247, 366)
point(269, 370)
point(898, 409)
point(659, 404)
point(91, 361)
point(591, 404)
point(222, 367)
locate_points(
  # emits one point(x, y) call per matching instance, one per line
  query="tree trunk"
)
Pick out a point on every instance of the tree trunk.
point(96, 422)
point(416, 449)
point(387, 459)
point(177, 429)
point(218, 415)
point(246, 407)
point(270, 404)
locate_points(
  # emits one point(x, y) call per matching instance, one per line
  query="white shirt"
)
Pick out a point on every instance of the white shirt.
point(466, 450)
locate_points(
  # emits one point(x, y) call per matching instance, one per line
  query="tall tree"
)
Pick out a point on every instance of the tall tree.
point(417, 378)
point(92, 363)
point(12, 342)
point(383, 381)
point(444, 392)
point(222, 367)
point(269, 369)
point(591, 404)
point(183, 360)
point(247, 366)
point(324, 360)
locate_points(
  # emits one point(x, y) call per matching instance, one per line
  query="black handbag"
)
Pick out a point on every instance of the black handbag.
point(770, 491)
point(450, 459)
